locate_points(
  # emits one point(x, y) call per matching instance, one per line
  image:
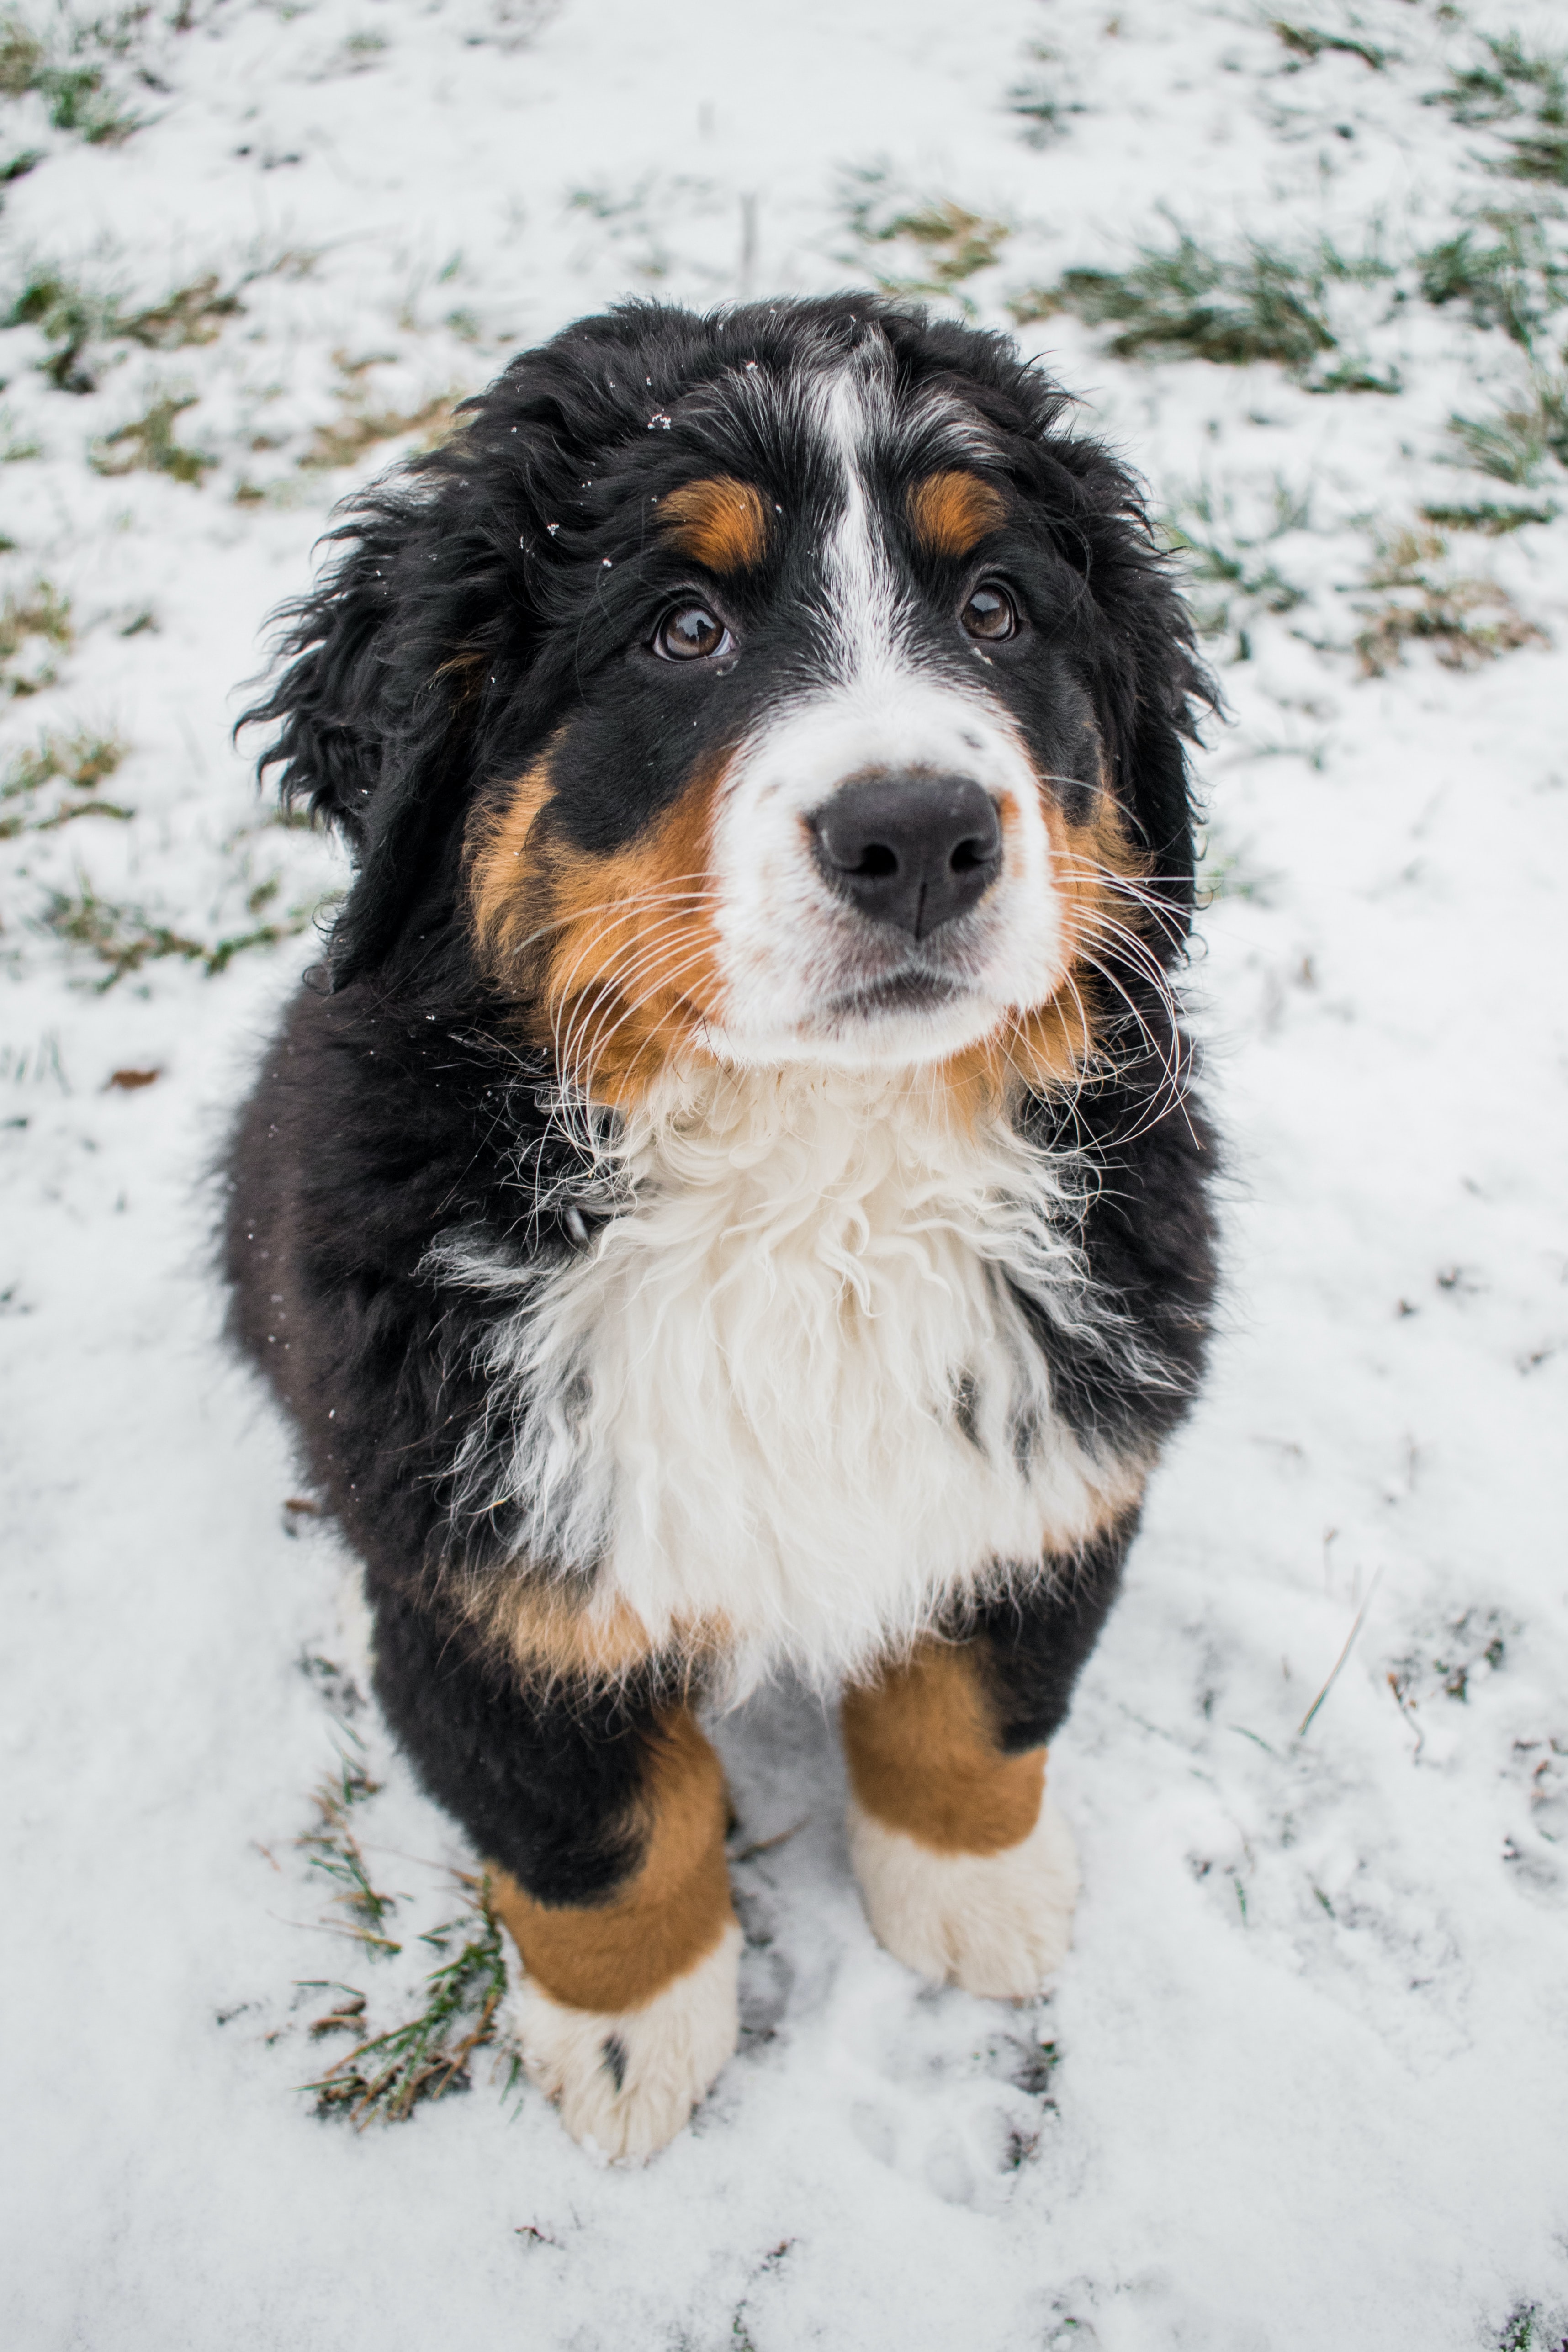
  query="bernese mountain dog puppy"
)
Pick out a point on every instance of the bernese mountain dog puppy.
point(734, 1197)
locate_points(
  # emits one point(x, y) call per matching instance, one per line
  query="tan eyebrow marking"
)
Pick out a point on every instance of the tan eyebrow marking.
point(952, 512)
point(723, 522)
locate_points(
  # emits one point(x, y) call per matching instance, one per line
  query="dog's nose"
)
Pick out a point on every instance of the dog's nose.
point(911, 850)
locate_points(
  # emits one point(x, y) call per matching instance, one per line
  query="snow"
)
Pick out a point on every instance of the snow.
point(1304, 2081)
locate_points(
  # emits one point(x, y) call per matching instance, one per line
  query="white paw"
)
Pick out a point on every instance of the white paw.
point(627, 2084)
point(997, 1924)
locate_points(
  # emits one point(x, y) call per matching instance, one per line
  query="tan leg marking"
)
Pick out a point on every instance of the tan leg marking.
point(967, 1872)
point(670, 1915)
point(624, 2013)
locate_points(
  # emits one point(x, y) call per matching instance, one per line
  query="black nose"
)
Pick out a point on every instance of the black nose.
point(911, 850)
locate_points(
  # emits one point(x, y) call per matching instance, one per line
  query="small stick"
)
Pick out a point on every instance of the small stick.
point(1344, 1654)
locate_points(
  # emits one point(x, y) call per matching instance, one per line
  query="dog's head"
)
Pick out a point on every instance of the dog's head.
point(782, 686)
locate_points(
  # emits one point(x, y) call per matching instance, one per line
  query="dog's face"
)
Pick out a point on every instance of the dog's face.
point(806, 697)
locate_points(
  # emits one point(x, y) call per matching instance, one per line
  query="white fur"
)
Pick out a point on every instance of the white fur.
point(673, 2047)
point(995, 1923)
point(738, 1405)
point(795, 960)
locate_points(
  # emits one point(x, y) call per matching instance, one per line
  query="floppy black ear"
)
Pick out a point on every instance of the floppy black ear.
point(374, 709)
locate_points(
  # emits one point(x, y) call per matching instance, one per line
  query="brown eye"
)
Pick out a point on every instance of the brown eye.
point(690, 633)
point(990, 614)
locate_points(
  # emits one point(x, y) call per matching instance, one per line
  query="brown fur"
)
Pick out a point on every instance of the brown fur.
point(954, 512)
point(550, 1638)
point(924, 1757)
point(619, 1955)
point(619, 954)
point(722, 523)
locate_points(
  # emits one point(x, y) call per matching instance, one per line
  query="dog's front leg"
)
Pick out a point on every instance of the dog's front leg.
point(602, 1812)
point(968, 1871)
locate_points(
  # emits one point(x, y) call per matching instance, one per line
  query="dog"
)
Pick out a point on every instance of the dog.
point(734, 1196)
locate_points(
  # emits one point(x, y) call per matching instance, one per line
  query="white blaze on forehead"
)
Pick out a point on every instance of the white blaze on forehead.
point(795, 955)
point(860, 593)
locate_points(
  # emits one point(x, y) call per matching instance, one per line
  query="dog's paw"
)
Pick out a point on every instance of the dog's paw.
point(997, 1924)
point(625, 2083)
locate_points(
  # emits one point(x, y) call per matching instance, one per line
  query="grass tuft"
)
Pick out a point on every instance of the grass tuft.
point(333, 1848)
point(1512, 279)
point(125, 939)
point(1307, 41)
point(1514, 444)
point(147, 444)
point(384, 2079)
point(1186, 300)
point(1466, 620)
point(944, 243)
point(82, 761)
point(34, 626)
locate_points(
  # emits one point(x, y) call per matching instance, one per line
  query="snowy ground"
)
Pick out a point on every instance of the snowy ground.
point(1305, 2081)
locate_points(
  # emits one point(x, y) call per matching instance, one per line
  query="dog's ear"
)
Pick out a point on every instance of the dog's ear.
point(1150, 688)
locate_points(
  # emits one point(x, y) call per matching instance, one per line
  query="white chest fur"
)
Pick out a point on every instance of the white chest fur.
point(787, 1388)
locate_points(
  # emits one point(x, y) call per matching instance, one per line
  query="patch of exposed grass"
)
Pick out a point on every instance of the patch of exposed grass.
point(1504, 77)
point(1514, 444)
point(333, 1848)
point(385, 2077)
point(1307, 41)
point(1466, 620)
point(1037, 103)
point(361, 425)
point(124, 938)
point(72, 318)
point(1187, 301)
point(1504, 271)
point(196, 313)
point(69, 73)
point(944, 243)
point(148, 445)
point(82, 762)
point(69, 318)
point(1492, 521)
point(1231, 577)
point(34, 626)
point(1508, 80)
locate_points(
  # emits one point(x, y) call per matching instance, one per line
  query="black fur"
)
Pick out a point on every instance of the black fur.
point(490, 587)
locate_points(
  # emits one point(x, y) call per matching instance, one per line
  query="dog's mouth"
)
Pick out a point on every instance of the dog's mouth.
point(912, 990)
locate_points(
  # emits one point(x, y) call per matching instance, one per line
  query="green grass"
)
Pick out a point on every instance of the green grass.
point(1232, 309)
point(69, 73)
point(34, 626)
point(72, 317)
point(125, 939)
point(82, 761)
point(1466, 620)
point(1307, 41)
point(148, 445)
point(1504, 80)
point(384, 2078)
point(944, 243)
point(1493, 521)
point(1514, 445)
point(332, 1849)
point(1505, 272)
point(1229, 576)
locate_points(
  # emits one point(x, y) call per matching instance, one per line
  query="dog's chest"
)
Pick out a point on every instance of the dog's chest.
point(788, 1391)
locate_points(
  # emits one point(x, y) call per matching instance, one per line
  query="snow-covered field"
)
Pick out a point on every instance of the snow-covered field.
point(1304, 2083)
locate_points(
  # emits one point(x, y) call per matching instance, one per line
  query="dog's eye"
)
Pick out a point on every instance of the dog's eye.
point(690, 633)
point(990, 614)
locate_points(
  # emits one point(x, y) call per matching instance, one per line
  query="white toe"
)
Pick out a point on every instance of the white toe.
point(627, 2083)
point(997, 1924)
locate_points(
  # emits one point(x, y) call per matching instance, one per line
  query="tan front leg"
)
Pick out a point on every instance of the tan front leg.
point(627, 2009)
point(967, 1872)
